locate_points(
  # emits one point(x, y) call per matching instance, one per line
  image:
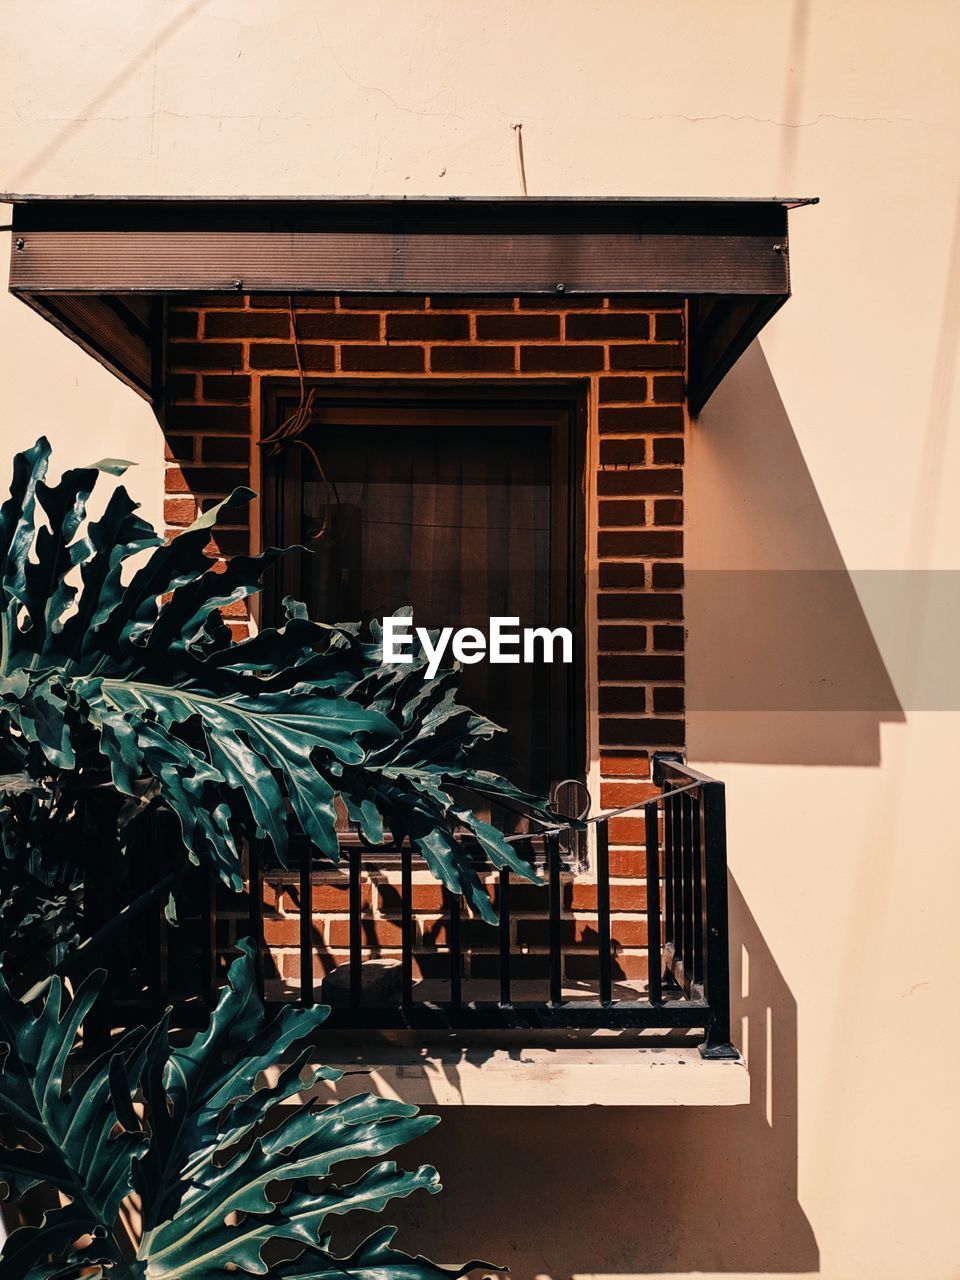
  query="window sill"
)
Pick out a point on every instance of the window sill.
point(541, 1077)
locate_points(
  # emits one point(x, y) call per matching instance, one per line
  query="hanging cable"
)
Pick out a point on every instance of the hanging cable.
point(293, 429)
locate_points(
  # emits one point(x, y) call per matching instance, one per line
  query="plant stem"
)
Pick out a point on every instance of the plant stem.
point(91, 944)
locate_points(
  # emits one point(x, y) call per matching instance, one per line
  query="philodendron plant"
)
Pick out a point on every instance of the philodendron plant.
point(122, 691)
point(119, 677)
point(224, 1166)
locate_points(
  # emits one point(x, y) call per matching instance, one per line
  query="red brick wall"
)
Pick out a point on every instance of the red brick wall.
point(631, 354)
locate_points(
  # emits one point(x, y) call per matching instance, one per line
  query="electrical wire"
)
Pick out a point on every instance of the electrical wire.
point(293, 429)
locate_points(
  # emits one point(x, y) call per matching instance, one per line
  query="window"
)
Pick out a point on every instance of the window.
point(463, 506)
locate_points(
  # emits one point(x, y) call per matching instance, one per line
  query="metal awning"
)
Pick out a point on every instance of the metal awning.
point(100, 267)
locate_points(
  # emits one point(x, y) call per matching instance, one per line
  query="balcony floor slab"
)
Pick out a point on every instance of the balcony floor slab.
point(541, 1077)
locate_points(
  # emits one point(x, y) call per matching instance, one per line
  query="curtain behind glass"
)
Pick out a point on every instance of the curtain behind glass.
point(454, 521)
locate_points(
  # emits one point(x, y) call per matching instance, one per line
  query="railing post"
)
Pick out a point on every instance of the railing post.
point(603, 913)
point(504, 929)
point(356, 939)
point(717, 976)
point(98, 907)
point(406, 929)
point(255, 908)
point(306, 926)
point(208, 929)
point(552, 845)
point(651, 813)
point(454, 901)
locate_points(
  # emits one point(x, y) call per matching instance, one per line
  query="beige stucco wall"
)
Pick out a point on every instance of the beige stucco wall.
point(834, 447)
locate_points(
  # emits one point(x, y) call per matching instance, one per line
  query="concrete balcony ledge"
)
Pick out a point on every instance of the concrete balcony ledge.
point(541, 1077)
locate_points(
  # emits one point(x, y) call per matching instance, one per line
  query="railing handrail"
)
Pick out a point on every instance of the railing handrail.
point(578, 824)
point(660, 763)
point(664, 762)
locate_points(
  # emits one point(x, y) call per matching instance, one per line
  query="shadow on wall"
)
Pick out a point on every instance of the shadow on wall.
point(782, 666)
point(559, 1192)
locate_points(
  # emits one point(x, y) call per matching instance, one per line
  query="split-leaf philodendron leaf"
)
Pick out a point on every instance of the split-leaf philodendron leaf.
point(117, 670)
point(223, 1155)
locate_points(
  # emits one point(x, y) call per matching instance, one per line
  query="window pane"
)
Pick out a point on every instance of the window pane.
point(454, 521)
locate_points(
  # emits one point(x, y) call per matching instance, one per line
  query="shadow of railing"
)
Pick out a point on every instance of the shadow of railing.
point(638, 1190)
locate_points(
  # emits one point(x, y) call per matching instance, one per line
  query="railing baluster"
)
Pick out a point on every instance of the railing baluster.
point(717, 967)
point(306, 926)
point(696, 876)
point(686, 806)
point(163, 958)
point(654, 956)
point(98, 908)
point(155, 938)
point(603, 913)
point(159, 959)
point(668, 888)
point(676, 859)
point(255, 908)
point(552, 843)
point(406, 928)
point(453, 941)
point(356, 939)
point(208, 933)
point(504, 927)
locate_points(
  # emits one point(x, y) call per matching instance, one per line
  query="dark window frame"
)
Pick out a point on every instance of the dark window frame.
point(566, 399)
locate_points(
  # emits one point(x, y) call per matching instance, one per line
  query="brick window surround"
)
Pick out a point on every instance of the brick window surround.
point(630, 354)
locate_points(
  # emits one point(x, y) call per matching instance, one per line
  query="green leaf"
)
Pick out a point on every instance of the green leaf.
point(222, 1161)
point(74, 1141)
point(17, 535)
point(133, 680)
point(128, 684)
point(374, 1259)
point(215, 1153)
point(115, 466)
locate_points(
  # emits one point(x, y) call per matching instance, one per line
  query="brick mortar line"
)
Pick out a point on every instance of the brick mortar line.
point(337, 879)
point(663, 345)
point(192, 307)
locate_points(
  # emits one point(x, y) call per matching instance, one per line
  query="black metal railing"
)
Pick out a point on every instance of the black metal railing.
point(684, 865)
point(686, 945)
